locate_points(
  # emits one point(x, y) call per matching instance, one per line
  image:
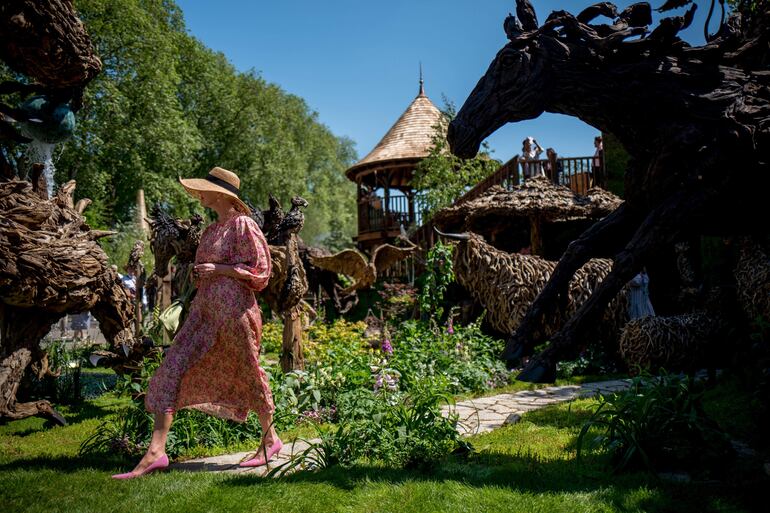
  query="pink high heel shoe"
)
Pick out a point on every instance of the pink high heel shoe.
point(262, 458)
point(158, 464)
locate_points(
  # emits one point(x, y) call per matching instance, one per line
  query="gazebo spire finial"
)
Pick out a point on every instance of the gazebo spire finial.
point(422, 88)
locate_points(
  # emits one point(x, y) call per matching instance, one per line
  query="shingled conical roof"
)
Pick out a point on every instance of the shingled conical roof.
point(410, 138)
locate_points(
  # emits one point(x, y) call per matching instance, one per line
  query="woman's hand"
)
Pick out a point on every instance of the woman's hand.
point(210, 270)
point(206, 270)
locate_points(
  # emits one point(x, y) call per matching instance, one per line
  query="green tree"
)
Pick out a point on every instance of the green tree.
point(132, 132)
point(442, 177)
point(166, 106)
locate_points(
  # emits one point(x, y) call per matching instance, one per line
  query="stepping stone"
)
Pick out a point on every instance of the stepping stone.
point(229, 462)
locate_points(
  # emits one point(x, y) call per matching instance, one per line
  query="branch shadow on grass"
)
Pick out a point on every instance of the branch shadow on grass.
point(68, 464)
point(525, 474)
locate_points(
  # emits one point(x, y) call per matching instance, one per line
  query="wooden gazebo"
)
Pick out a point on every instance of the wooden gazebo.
point(386, 200)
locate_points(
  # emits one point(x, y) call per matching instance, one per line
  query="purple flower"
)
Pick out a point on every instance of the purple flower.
point(450, 328)
point(387, 347)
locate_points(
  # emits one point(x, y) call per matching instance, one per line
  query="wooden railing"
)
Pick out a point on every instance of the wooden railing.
point(380, 213)
point(577, 173)
point(506, 176)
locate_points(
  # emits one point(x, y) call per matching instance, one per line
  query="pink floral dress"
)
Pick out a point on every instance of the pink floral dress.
point(213, 364)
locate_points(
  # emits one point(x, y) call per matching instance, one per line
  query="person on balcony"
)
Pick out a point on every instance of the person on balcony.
point(596, 167)
point(530, 151)
point(557, 174)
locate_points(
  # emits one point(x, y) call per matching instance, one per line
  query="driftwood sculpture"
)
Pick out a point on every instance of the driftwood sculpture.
point(752, 280)
point(353, 264)
point(45, 41)
point(172, 238)
point(135, 264)
point(506, 284)
point(288, 284)
point(695, 121)
point(537, 201)
point(270, 221)
point(327, 281)
point(677, 342)
point(702, 338)
point(50, 265)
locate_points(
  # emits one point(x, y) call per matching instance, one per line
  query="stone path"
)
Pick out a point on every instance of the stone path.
point(487, 413)
point(476, 416)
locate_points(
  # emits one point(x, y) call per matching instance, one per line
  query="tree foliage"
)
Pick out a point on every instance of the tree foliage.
point(442, 177)
point(166, 106)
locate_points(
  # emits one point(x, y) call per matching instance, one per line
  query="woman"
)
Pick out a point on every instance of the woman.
point(213, 365)
point(530, 151)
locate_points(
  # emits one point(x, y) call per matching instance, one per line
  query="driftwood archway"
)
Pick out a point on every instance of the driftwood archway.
point(695, 121)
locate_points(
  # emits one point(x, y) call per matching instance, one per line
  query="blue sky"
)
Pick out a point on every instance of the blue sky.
point(356, 62)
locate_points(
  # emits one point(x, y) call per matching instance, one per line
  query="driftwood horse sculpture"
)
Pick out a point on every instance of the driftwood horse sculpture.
point(695, 121)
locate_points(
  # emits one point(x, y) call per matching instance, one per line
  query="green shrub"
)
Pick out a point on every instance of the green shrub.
point(395, 429)
point(336, 341)
point(465, 357)
point(398, 301)
point(340, 364)
point(339, 358)
point(438, 275)
point(272, 337)
point(658, 423)
point(593, 360)
point(68, 384)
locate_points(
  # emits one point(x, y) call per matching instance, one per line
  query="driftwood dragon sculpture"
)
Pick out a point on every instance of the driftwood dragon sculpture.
point(695, 121)
point(50, 262)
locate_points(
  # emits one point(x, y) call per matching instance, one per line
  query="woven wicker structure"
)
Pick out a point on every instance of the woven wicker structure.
point(537, 200)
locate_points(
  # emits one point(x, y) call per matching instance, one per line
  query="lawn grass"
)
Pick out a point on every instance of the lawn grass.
point(526, 467)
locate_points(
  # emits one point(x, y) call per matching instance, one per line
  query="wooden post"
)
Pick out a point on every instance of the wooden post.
point(410, 199)
point(165, 298)
point(386, 206)
point(141, 212)
point(292, 357)
point(535, 237)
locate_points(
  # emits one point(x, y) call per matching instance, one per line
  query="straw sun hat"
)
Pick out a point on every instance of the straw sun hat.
point(218, 180)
